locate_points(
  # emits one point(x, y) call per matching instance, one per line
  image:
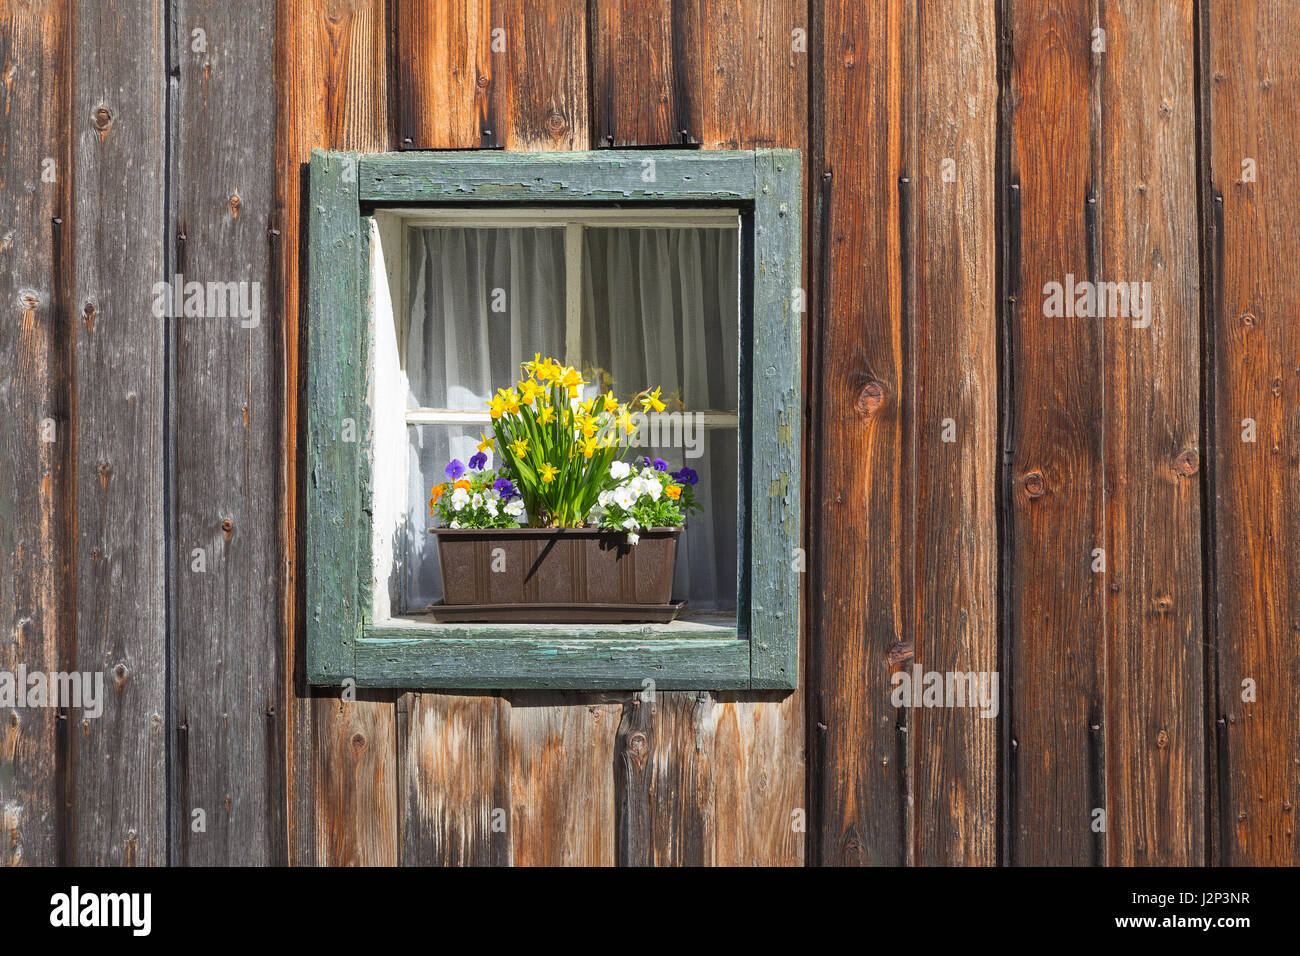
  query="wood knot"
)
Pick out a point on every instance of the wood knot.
point(870, 398)
point(234, 206)
point(227, 528)
point(637, 744)
point(900, 652)
point(105, 471)
point(1164, 603)
point(1188, 462)
point(358, 743)
point(88, 316)
point(103, 119)
point(1035, 486)
point(1162, 740)
point(1248, 319)
point(482, 82)
point(555, 123)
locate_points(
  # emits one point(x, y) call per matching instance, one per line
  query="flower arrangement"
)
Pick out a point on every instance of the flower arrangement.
point(562, 462)
point(477, 497)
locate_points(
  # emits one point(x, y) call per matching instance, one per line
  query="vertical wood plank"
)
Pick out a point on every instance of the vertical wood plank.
point(35, 435)
point(118, 128)
point(539, 88)
point(227, 663)
point(636, 74)
point(955, 749)
point(1056, 712)
point(860, 542)
point(444, 74)
point(1155, 760)
point(1252, 87)
point(342, 766)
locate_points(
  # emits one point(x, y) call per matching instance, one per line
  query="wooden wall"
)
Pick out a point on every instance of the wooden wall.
point(958, 155)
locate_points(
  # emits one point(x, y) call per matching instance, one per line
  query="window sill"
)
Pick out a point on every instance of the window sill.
point(701, 652)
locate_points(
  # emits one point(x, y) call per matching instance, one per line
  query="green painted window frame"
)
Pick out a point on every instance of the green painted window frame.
point(343, 643)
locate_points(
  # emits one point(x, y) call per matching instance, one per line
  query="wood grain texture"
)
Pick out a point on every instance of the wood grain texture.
point(1252, 90)
point(227, 660)
point(444, 74)
point(332, 78)
point(485, 73)
point(117, 787)
point(35, 436)
point(1056, 400)
point(954, 342)
point(1155, 759)
point(861, 541)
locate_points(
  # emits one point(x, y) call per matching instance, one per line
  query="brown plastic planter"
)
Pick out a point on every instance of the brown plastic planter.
point(566, 574)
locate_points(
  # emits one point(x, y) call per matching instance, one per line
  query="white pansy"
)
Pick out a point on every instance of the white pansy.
point(633, 538)
point(630, 524)
point(651, 487)
point(455, 524)
point(624, 497)
point(647, 472)
point(491, 504)
point(606, 497)
point(459, 499)
point(477, 500)
point(515, 509)
point(618, 470)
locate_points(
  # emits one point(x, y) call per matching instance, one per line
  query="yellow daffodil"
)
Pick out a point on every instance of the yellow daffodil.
point(529, 390)
point(611, 403)
point(547, 414)
point(510, 400)
point(625, 420)
point(652, 401)
point(549, 472)
point(498, 406)
point(486, 442)
point(520, 447)
point(589, 447)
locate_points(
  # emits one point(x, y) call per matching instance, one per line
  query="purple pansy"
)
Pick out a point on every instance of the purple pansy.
point(661, 465)
point(687, 476)
point(505, 488)
point(478, 461)
point(455, 468)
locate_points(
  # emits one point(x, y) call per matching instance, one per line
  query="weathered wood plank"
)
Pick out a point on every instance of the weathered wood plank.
point(559, 751)
point(776, 422)
point(603, 664)
point(576, 176)
point(859, 543)
point(1056, 715)
point(1155, 762)
point(955, 372)
point(117, 782)
point(1252, 92)
point(35, 435)
point(332, 66)
point(638, 76)
point(444, 74)
point(455, 800)
point(336, 390)
point(539, 79)
point(227, 661)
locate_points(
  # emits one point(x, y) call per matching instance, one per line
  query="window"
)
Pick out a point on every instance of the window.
point(431, 276)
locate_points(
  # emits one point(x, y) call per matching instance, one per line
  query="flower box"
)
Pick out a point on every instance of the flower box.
point(556, 575)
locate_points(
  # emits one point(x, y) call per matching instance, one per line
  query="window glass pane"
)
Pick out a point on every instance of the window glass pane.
point(660, 306)
point(481, 302)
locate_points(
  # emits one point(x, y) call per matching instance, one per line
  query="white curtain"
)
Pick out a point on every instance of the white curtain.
point(659, 306)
